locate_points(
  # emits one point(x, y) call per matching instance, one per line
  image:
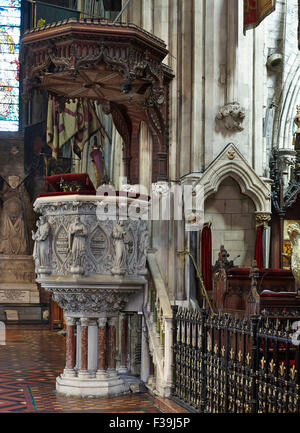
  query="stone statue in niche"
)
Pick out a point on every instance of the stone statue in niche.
point(294, 235)
point(41, 250)
point(142, 251)
point(120, 249)
point(14, 239)
point(77, 238)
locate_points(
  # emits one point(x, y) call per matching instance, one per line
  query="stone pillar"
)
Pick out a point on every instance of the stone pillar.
point(101, 373)
point(111, 346)
point(123, 325)
point(145, 364)
point(83, 372)
point(70, 347)
point(168, 356)
point(92, 347)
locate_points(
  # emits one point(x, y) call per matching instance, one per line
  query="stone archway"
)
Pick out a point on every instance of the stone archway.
point(232, 215)
point(236, 211)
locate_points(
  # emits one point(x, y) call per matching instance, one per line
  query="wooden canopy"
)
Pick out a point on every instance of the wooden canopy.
point(120, 66)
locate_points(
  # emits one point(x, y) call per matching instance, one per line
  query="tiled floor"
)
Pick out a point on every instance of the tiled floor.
point(30, 360)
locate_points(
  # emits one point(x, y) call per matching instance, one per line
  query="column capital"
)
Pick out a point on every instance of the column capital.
point(112, 321)
point(102, 321)
point(262, 219)
point(70, 321)
point(84, 321)
point(122, 316)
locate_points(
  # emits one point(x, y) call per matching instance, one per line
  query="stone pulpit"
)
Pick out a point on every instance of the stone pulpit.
point(90, 253)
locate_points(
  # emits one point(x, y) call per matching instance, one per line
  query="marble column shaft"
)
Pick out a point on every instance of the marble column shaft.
point(84, 345)
point(101, 343)
point(111, 343)
point(123, 340)
point(70, 343)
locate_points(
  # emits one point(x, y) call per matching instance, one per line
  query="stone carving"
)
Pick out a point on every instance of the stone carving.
point(108, 301)
point(14, 238)
point(231, 154)
point(232, 115)
point(262, 219)
point(120, 249)
point(294, 234)
point(77, 238)
point(142, 252)
point(109, 247)
point(297, 120)
point(42, 246)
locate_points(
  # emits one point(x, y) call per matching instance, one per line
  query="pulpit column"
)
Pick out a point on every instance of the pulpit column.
point(123, 327)
point(70, 347)
point(111, 346)
point(83, 372)
point(101, 373)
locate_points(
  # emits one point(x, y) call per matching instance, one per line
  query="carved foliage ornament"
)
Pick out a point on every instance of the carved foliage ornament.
point(263, 219)
point(103, 301)
point(232, 115)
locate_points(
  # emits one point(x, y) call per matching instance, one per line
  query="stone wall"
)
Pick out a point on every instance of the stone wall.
point(233, 222)
point(214, 63)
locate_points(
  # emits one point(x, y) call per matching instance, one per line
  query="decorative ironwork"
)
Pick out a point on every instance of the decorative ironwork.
point(228, 365)
point(283, 198)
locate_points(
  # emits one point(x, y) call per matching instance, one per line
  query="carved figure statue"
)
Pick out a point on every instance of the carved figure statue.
point(297, 120)
point(13, 234)
point(142, 246)
point(77, 237)
point(294, 235)
point(297, 130)
point(41, 250)
point(120, 256)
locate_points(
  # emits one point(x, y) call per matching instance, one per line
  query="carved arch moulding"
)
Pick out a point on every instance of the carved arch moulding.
point(118, 65)
point(231, 163)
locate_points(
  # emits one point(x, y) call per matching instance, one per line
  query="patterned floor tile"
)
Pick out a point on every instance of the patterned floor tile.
point(30, 361)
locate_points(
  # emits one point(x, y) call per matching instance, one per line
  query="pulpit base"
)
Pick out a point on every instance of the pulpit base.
point(91, 387)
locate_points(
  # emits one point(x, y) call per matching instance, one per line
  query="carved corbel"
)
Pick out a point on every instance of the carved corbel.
point(262, 219)
point(232, 115)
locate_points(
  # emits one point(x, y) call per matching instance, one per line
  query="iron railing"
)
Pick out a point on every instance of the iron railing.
point(223, 364)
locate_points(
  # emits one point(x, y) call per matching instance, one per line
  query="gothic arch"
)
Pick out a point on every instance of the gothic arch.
point(230, 163)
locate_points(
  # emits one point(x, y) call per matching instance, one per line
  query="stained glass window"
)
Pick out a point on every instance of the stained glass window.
point(10, 23)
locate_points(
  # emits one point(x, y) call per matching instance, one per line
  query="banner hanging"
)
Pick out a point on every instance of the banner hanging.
point(255, 11)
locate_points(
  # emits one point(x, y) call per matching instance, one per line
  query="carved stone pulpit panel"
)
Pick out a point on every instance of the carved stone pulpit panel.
point(90, 253)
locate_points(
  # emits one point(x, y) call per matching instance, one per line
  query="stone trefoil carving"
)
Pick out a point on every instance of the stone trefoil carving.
point(232, 115)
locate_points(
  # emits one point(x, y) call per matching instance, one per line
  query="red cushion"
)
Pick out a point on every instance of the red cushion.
point(81, 178)
point(49, 194)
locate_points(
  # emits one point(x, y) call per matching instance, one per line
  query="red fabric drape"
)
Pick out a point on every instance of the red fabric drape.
point(206, 250)
point(259, 248)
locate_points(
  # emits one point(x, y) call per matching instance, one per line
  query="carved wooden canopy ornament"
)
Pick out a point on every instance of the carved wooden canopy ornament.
point(118, 65)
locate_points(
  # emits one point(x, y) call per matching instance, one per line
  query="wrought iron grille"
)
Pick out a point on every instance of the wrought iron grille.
point(223, 364)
